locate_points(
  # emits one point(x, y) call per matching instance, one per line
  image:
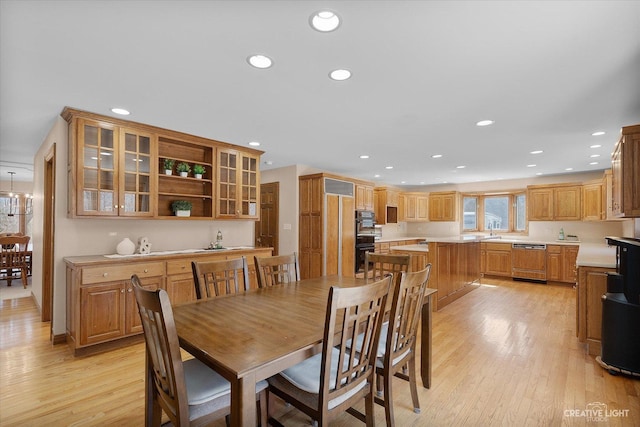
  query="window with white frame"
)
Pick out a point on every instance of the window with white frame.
point(504, 212)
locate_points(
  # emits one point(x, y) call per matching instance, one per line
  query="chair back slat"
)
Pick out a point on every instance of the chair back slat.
point(275, 270)
point(215, 278)
point(14, 255)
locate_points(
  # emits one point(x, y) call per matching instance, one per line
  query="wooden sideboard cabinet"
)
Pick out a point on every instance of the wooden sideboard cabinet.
point(625, 167)
point(101, 309)
point(117, 170)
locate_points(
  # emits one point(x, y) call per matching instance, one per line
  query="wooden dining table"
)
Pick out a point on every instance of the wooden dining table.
point(251, 336)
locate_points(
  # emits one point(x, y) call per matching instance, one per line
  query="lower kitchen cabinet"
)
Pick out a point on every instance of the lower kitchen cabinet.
point(561, 263)
point(101, 308)
point(496, 258)
point(592, 284)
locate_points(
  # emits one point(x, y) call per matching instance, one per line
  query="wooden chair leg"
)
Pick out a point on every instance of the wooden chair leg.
point(263, 406)
point(24, 278)
point(413, 386)
point(388, 399)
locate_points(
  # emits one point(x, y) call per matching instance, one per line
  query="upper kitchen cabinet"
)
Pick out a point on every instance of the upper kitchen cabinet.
point(364, 197)
point(625, 167)
point(113, 173)
point(443, 206)
point(238, 185)
point(415, 207)
point(387, 201)
point(117, 169)
point(593, 208)
point(555, 202)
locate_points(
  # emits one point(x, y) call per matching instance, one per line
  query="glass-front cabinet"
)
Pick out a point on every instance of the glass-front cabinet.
point(238, 185)
point(115, 173)
point(119, 168)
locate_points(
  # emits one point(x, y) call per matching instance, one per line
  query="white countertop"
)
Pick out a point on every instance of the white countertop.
point(412, 248)
point(596, 255)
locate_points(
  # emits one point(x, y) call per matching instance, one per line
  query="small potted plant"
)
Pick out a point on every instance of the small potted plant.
point(198, 171)
point(181, 207)
point(183, 168)
point(168, 166)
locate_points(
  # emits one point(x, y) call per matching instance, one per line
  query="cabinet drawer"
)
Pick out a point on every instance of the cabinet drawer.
point(491, 246)
point(179, 266)
point(121, 272)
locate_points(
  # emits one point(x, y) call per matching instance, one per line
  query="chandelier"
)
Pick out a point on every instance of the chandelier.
point(14, 201)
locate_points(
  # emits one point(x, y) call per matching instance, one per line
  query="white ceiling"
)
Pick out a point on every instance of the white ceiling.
point(549, 73)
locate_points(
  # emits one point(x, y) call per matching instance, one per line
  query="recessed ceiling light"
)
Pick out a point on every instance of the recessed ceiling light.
point(460, 167)
point(536, 152)
point(376, 176)
point(260, 61)
point(531, 166)
point(403, 182)
point(436, 156)
point(120, 111)
point(364, 156)
point(539, 173)
point(484, 123)
point(340, 75)
point(595, 146)
point(569, 169)
point(598, 133)
point(421, 182)
point(254, 144)
point(324, 21)
point(593, 163)
point(595, 155)
point(388, 167)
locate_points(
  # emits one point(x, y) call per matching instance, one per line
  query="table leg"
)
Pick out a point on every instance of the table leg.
point(425, 343)
point(243, 401)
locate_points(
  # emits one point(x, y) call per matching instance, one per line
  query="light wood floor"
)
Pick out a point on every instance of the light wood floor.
point(505, 354)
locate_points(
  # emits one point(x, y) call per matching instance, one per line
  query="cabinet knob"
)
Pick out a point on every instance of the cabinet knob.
point(146, 270)
point(105, 274)
point(129, 290)
point(122, 291)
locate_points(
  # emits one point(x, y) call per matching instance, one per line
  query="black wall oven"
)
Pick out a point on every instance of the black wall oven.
point(365, 237)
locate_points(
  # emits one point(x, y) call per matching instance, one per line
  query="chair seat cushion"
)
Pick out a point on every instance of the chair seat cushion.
point(203, 383)
point(306, 374)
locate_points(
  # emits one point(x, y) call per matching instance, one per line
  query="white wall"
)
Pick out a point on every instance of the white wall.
point(287, 178)
point(91, 236)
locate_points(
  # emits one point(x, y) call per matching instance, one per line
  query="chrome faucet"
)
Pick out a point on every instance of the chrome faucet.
point(490, 230)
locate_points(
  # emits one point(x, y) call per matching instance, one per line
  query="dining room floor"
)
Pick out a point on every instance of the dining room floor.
point(504, 354)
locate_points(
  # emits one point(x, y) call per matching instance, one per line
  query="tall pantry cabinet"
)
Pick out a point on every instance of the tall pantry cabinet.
point(327, 226)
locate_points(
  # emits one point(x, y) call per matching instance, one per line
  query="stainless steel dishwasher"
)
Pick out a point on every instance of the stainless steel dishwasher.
point(529, 261)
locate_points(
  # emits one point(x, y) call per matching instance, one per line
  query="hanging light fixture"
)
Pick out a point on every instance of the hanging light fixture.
point(14, 201)
point(11, 196)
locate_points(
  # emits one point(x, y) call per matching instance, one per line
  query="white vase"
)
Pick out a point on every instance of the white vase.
point(198, 176)
point(184, 174)
point(126, 247)
point(183, 213)
point(168, 172)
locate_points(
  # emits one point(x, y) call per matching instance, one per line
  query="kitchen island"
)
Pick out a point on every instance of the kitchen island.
point(455, 265)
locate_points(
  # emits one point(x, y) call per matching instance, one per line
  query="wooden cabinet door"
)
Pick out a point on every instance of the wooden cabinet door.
point(592, 209)
point(569, 268)
point(364, 197)
point(137, 188)
point(422, 208)
point(554, 263)
point(97, 160)
point(540, 202)
point(567, 203)
point(132, 322)
point(102, 312)
point(410, 207)
point(181, 288)
point(238, 185)
point(596, 286)
point(498, 262)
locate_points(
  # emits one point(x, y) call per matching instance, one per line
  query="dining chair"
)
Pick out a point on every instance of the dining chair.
point(277, 269)
point(222, 277)
point(333, 380)
point(189, 392)
point(14, 256)
point(379, 265)
point(397, 347)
